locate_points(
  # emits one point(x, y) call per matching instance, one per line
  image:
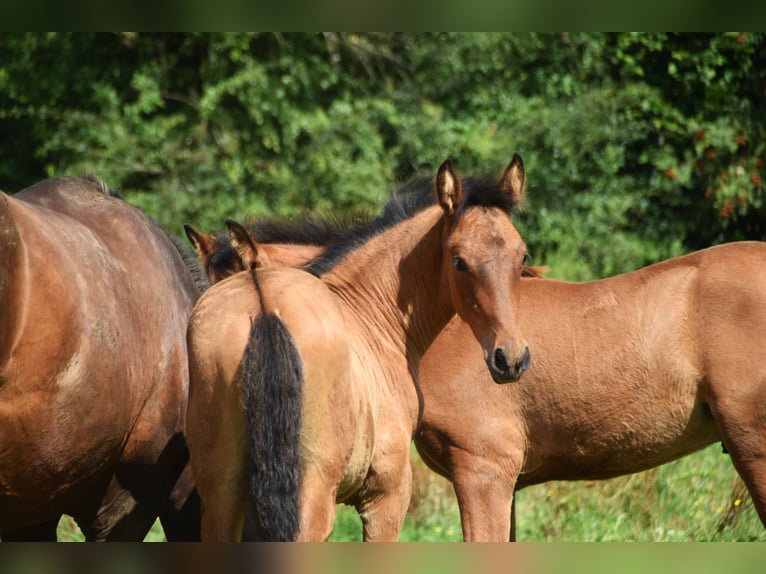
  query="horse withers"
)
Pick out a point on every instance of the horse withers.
point(93, 367)
point(304, 385)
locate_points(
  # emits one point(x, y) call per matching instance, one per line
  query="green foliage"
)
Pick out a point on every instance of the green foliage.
point(638, 146)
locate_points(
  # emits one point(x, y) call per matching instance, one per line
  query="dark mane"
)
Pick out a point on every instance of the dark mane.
point(405, 202)
point(306, 229)
point(101, 185)
point(412, 197)
point(191, 261)
point(485, 192)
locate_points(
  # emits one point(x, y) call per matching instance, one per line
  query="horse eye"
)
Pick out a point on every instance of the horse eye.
point(527, 258)
point(459, 264)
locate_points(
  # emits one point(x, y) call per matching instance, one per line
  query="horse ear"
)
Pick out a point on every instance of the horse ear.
point(246, 246)
point(514, 179)
point(449, 189)
point(202, 242)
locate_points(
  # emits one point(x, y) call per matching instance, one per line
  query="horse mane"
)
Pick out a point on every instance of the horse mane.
point(192, 262)
point(485, 192)
point(411, 198)
point(101, 185)
point(305, 229)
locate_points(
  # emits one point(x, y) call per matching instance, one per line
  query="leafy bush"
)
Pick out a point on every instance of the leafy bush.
point(638, 146)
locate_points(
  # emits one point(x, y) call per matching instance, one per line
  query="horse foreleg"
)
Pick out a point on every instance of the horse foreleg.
point(512, 537)
point(484, 495)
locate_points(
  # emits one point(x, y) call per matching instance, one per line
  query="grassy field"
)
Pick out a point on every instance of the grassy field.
point(697, 498)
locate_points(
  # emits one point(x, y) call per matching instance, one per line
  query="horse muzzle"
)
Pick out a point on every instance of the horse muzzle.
point(506, 370)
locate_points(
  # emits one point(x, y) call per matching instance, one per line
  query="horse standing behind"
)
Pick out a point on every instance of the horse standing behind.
point(93, 367)
point(325, 362)
point(630, 372)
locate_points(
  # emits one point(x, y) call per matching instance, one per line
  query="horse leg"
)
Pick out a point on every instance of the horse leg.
point(180, 517)
point(317, 508)
point(742, 424)
point(45, 532)
point(386, 498)
point(224, 506)
point(484, 495)
point(512, 537)
point(221, 478)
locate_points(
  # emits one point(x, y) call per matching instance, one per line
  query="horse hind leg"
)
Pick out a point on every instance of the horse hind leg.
point(317, 509)
point(317, 513)
point(742, 424)
point(121, 518)
point(736, 396)
point(181, 515)
point(385, 501)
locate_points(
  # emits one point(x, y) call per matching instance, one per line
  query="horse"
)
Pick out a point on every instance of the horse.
point(630, 372)
point(289, 242)
point(93, 367)
point(304, 382)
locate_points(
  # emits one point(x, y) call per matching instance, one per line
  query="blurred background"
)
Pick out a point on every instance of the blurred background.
point(638, 147)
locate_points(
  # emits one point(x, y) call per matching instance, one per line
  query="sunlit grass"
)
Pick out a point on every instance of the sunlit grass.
point(69, 532)
point(697, 498)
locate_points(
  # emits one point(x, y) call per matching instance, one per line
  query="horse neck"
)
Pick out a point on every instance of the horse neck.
point(394, 283)
point(10, 255)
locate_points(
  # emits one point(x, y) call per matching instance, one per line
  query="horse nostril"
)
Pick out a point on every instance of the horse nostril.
point(501, 361)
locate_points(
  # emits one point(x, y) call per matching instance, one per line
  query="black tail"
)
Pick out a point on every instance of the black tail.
point(272, 374)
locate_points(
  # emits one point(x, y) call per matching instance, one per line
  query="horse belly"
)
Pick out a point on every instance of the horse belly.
point(612, 438)
point(49, 459)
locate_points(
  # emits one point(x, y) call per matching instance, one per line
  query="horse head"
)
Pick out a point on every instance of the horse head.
point(484, 259)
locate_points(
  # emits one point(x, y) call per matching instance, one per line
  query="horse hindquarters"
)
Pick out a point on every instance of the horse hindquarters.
point(272, 379)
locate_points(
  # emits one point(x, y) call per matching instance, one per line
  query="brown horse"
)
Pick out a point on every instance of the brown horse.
point(630, 372)
point(281, 242)
point(324, 362)
point(93, 367)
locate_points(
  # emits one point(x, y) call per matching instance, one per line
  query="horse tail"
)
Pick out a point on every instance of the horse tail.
point(272, 375)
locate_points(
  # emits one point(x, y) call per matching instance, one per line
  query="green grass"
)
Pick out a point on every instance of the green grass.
point(697, 498)
point(69, 532)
